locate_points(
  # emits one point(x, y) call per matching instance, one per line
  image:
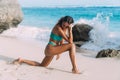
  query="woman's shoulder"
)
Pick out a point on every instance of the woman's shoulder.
point(57, 28)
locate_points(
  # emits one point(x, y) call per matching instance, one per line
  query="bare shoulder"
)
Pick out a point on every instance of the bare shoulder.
point(59, 29)
point(56, 30)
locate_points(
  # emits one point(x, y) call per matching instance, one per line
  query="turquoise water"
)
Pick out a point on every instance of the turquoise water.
point(38, 23)
point(47, 17)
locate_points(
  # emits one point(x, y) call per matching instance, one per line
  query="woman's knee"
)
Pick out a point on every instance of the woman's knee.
point(46, 61)
point(72, 45)
point(72, 48)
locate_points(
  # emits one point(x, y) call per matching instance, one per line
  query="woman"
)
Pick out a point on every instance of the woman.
point(56, 45)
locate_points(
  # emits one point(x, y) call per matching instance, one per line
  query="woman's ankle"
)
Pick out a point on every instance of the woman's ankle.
point(75, 71)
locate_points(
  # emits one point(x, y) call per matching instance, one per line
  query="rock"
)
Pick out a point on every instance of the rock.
point(10, 14)
point(108, 53)
point(81, 33)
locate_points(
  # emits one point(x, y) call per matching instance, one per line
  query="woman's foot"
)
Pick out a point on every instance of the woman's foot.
point(17, 61)
point(75, 71)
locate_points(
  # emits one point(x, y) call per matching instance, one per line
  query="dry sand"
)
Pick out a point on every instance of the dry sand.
point(90, 67)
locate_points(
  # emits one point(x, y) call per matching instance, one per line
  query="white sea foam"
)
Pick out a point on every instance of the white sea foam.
point(26, 32)
point(101, 37)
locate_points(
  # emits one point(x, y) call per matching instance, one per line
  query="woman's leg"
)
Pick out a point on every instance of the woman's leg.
point(73, 60)
point(46, 61)
point(30, 62)
point(66, 47)
point(56, 50)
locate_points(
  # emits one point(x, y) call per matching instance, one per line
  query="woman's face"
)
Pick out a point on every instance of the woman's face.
point(65, 25)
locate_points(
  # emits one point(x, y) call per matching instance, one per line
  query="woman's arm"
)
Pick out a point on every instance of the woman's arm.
point(70, 35)
point(65, 37)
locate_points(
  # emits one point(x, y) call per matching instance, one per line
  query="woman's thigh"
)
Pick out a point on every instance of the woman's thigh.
point(54, 50)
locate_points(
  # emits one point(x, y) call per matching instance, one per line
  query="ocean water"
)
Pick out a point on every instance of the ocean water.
point(38, 22)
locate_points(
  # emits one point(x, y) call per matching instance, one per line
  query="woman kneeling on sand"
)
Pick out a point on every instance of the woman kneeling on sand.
point(56, 45)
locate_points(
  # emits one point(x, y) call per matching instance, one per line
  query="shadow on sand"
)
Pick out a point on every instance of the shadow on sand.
point(5, 58)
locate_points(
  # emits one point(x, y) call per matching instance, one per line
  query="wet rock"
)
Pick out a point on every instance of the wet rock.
point(10, 14)
point(108, 53)
point(81, 33)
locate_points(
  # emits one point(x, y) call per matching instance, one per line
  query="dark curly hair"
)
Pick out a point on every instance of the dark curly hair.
point(68, 19)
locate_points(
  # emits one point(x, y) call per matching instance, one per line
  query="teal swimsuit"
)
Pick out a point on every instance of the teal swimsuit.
point(55, 37)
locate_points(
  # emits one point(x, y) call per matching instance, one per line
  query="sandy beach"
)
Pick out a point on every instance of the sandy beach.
point(91, 68)
point(26, 27)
